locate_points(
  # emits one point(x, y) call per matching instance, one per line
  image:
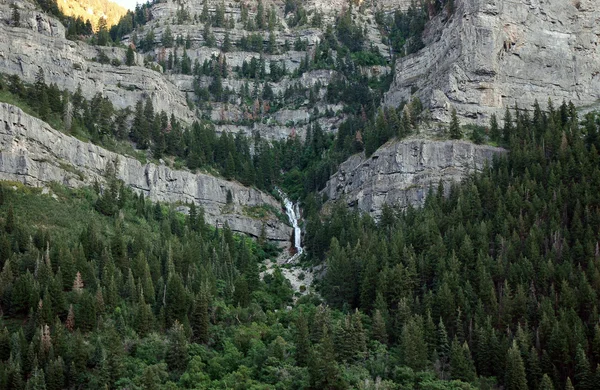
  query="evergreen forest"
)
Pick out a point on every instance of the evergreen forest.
point(492, 285)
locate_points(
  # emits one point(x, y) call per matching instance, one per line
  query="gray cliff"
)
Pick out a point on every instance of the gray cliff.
point(401, 173)
point(491, 54)
point(40, 43)
point(33, 153)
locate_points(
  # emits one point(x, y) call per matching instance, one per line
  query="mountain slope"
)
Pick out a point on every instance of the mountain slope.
point(33, 153)
point(491, 282)
point(40, 43)
point(93, 10)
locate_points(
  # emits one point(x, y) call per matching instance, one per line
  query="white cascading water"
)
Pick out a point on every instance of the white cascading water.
point(293, 212)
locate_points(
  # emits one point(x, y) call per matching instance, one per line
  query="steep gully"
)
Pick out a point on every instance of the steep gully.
point(293, 213)
point(300, 279)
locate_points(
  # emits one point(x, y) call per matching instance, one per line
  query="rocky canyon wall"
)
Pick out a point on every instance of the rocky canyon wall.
point(33, 153)
point(490, 54)
point(40, 43)
point(401, 173)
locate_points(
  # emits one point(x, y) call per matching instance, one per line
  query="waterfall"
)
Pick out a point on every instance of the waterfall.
point(293, 213)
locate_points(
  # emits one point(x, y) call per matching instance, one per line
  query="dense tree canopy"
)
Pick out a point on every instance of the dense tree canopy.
point(493, 286)
point(506, 265)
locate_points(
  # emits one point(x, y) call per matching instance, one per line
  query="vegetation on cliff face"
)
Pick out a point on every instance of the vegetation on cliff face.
point(494, 286)
point(500, 278)
point(81, 18)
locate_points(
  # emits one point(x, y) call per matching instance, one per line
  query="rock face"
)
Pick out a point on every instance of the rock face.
point(401, 173)
point(33, 153)
point(32, 19)
point(491, 54)
point(391, 5)
point(285, 117)
point(41, 42)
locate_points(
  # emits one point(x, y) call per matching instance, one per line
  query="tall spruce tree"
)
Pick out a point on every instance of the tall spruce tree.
point(177, 350)
point(455, 131)
point(515, 378)
point(302, 340)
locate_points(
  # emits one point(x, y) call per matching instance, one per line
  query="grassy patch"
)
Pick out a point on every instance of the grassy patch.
point(72, 169)
point(265, 211)
point(65, 216)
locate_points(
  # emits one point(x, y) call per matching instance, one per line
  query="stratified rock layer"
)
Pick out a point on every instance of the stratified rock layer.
point(401, 173)
point(493, 54)
point(40, 43)
point(33, 153)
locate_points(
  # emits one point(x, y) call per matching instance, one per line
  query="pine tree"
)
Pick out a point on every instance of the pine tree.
point(176, 299)
point(461, 363)
point(413, 344)
point(323, 369)
point(55, 377)
point(227, 46)
point(37, 381)
point(130, 288)
point(494, 129)
point(546, 383)
point(167, 38)
point(302, 340)
point(344, 344)
point(130, 56)
point(114, 355)
point(595, 344)
point(144, 316)
point(229, 171)
point(80, 354)
point(102, 36)
point(44, 105)
point(9, 224)
point(507, 130)
point(359, 336)
point(583, 374)
point(241, 294)
point(70, 322)
point(200, 318)
point(515, 378)
point(45, 339)
point(533, 369)
point(378, 329)
point(86, 313)
point(78, 283)
point(455, 130)
point(443, 348)
point(260, 15)
point(16, 16)
point(272, 45)
point(177, 351)
point(4, 344)
point(15, 375)
point(596, 377)
point(204, 16)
